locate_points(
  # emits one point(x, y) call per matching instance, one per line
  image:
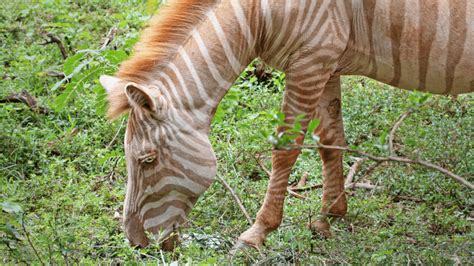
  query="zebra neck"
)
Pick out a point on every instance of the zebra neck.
point(206, 66)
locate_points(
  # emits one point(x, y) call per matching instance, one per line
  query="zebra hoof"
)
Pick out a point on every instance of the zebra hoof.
point(241, 245)
point(321, 227)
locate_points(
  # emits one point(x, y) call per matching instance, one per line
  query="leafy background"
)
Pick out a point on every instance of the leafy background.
point(62, 174)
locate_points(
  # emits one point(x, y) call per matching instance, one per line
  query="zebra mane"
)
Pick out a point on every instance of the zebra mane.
point(159, 42)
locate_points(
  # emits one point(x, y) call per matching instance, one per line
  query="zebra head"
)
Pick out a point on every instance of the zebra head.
point(169, 163)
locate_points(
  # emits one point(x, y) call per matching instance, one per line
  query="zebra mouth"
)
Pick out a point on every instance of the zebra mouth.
point(170, 242)
point(135, 232)
point(168, 239)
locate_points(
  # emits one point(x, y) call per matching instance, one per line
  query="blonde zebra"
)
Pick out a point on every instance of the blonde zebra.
point(194, 50)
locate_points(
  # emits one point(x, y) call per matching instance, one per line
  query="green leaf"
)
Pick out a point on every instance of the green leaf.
point(11, 207)
point(100, 100)
point(383, 138)
point(72, 62)
point(151, 6)
point(114, 56)
point(61, 101)
point(11, 231)
point(299, 117)
point(313, 125)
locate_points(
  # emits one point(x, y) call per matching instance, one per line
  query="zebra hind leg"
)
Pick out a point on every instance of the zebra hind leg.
point(331, 132)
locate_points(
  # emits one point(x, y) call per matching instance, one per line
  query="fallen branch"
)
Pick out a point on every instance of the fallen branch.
point(410, 198)
point(109, 38)
point(308, 188)
point(361, 185)
point(55, 39)
point(391, 136)
point(446, 172)
point(26, 98)
point(236, 198)
point(56, 74)
point(301, 183)
point(294, 194)
point(353, 170)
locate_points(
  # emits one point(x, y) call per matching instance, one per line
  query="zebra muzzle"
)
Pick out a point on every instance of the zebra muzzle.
point(135, 232)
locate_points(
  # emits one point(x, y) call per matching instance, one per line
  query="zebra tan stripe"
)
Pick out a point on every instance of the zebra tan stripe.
point(457, 39)
point(428, 17)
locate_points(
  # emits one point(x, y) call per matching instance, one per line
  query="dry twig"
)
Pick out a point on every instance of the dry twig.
point(236, 198)
point(294, 194)
point(361, 185)
point(109, 38)
point(300, 189)
point(446, 172)
point(353, 170)
point(116, 134)
point(391, 136)
point(51, 38)
point(56, 74)
point(410, 198)
point(26, 98)
point(262, 165)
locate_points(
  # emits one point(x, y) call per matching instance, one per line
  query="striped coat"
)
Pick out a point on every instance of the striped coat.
point(194, 50)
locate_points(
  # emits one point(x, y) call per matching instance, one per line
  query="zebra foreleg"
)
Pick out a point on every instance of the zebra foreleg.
point(270, 214)
point(299, 98)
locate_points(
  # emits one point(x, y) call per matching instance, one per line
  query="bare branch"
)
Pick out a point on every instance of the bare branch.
point(391, 136)
point(55, 39)
point(361, 185)
point(56, 74)
point(26, 98)
point(262, 165)
point(446, 172)
point(300, 189)
point(116, 134)
point(410, 198)
point(352, 172)
point(294, 194)
point(236, 198)
point(109, 38)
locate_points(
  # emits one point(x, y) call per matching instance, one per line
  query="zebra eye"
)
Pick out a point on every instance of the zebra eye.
point(147, 158)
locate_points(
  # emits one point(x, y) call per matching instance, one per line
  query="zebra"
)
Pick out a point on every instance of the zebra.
point(193, 51)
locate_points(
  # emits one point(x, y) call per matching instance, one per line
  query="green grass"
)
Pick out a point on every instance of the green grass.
point(66, 170)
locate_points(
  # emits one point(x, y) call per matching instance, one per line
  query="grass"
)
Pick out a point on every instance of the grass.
point(62, 175)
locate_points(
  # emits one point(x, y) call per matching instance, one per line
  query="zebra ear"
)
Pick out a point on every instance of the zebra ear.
point(110, 83)
point(140, 97)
